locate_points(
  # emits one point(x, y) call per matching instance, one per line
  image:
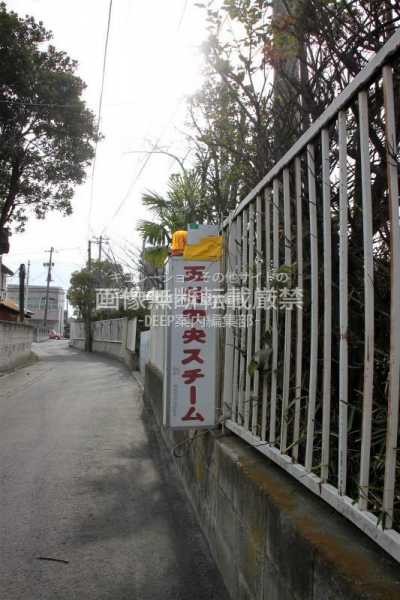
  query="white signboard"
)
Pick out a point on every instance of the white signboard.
point(191, 356)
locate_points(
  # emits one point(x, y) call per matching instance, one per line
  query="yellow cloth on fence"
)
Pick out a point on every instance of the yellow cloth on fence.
point(210, 248)
point(179, 239)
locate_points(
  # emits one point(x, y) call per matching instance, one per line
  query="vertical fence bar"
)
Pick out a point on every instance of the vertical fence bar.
point(274, 373)
point(236, 330)
point(229, 332)
point(312, 391)
point(249, 313)
point(343, 304)
point(267, 212)
point(257, 337)
point(243, 332)
point(394, 370)
point(369, 328)
point(288, 312)
point(326, 384)
point(299, 314)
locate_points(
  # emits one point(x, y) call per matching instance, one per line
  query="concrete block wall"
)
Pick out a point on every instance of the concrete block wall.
point(15, 344)
point(144, 353)
point(79, 344)
point(40, 334)
point(270, 537)
point(117, 350)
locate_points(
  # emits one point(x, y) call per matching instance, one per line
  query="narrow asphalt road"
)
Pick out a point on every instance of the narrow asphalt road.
point(82, 480)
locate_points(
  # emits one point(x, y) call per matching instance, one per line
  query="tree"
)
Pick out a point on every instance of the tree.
point(231, 114)
point(184, 203)
point(82, 294)
point(271, 68)
point(102, 274)
point(224, 148)
point(107, 274)
point(311, 50)
point(46, 131)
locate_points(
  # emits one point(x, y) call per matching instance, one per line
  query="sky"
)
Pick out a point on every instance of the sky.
point(153, 63)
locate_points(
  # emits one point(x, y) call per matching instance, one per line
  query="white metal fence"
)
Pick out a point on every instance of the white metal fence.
point(300, 384)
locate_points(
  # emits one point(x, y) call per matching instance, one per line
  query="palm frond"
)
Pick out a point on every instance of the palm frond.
point(156, 256)
point(152, 232)
point(154, 202)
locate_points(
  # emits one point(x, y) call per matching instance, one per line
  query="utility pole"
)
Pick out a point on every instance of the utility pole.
point(89, 304)
point(21, 293)
point(50, 264)
point(100, 241)
point(100, 245)
point(4, 249)
point(27, 283)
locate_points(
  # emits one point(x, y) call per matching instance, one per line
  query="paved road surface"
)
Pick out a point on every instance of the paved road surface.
point(82, 480)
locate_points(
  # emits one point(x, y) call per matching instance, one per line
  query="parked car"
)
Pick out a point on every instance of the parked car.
point(53, 335)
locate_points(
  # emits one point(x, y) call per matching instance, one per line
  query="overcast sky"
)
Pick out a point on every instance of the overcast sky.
point(153, 62)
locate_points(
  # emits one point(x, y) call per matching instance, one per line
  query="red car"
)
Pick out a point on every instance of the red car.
point(53, 335)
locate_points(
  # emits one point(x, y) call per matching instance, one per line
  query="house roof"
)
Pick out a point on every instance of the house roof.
point(6, 270)
point(11, 306)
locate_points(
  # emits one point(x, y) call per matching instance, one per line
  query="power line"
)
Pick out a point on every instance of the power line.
point(100, 111)
point(36, 251)
point(136, 178)
point(127, 260)
point(55, 105)
point(40, 104)
point(142, 168)
point(182, 16)
point(116, 265)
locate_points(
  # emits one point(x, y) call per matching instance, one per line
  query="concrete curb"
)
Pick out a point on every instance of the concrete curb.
point(270, 537)
point(135, 375)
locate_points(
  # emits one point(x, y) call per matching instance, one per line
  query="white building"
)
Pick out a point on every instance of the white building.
point(35, 301)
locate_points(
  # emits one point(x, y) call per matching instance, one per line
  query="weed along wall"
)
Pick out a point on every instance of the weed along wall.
point(270, 537)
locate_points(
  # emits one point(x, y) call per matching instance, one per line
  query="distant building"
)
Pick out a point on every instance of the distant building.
point(4, 273)
point(35, 301)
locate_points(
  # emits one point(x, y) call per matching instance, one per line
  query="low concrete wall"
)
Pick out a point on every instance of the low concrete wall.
point(118, 350)
point(40, 334)
point(114, 349)
point(144, 354)
point(271, 539)
point(79, 344)
point(15, 344)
